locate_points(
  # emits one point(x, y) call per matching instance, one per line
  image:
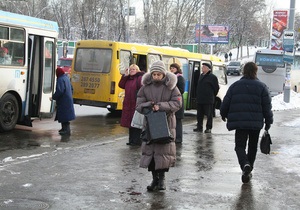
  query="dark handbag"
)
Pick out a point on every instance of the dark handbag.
point(265, 143)
point(157, 128)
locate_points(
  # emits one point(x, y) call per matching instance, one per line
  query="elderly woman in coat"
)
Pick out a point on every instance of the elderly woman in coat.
point(131, 82)
point(64, 101)
point(159, 93)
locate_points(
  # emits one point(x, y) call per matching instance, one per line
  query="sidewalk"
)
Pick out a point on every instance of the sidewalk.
point(106, 174)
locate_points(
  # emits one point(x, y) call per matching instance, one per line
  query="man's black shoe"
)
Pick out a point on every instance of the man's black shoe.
point(207, 131)
point(246, 176)
point(197, 130)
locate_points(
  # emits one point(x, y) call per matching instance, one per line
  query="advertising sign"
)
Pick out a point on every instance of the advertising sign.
point(288, 41)
point(288, 46)
point(212, 34)
point(280, 21)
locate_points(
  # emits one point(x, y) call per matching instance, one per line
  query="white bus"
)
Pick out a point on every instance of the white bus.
point(27, 69)
point(271, 69)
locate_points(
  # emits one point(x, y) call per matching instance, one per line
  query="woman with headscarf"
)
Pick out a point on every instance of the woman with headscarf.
point(64, 101)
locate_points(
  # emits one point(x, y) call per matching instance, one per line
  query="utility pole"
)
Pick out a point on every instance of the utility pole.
point(199, 32)
point(287, 86)
point(127, 28)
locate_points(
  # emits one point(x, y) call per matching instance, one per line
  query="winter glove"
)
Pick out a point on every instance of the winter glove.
point(267, 127)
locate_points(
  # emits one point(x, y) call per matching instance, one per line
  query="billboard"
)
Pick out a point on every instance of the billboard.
point(280, 21)
point(212, 34)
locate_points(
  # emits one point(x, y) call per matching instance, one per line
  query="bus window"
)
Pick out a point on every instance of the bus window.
point(152, 58)
point(219, 71)
point(93, 60)
point(3, 32)
point(17, 35)
point(47, 86)
point(125, 58)
point(12, 50)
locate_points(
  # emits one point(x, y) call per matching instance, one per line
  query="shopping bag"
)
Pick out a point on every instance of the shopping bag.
point(265, 143)
point(137, 120)
point(157, 127)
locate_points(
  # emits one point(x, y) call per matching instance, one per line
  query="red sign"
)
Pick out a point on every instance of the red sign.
point(280, 22)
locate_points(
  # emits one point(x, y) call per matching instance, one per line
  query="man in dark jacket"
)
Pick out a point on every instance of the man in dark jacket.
point(247, 107)
point(207, 89)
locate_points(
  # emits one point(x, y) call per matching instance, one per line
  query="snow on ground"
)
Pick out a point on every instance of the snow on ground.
point(279, 104)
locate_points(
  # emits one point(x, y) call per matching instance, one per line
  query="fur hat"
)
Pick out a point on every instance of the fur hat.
point(207, 64)
point(158, 66)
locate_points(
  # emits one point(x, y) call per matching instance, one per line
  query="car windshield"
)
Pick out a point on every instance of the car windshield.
point(234, 64)
point(65, 62)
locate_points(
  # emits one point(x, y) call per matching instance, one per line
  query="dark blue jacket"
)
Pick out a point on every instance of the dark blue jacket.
point(64, 100)
point(247, 105)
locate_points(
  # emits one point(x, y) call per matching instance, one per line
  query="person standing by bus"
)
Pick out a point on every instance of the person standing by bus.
point(131, 82)
point(207, 90)
point(159, 93)
point(247, 107)
point(175, 68)
point(64, 101)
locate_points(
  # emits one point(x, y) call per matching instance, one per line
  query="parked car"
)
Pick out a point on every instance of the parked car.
point(65, 64)
point(235, 67)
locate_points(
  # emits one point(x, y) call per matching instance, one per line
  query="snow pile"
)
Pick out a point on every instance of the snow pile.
point(278, 103)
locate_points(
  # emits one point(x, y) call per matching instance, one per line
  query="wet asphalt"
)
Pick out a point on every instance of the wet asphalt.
point(95, 169)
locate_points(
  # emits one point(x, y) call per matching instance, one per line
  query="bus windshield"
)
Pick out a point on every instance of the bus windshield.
point(271, 60)
point(93, 60)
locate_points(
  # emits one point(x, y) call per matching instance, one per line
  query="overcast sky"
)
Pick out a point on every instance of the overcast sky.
point(283, 4)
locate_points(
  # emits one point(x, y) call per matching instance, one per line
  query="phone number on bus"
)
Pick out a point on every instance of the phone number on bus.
point(90, 82)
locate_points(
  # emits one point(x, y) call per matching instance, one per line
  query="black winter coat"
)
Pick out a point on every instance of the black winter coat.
point(247, 105)
point(207, 88)
point(181, 86)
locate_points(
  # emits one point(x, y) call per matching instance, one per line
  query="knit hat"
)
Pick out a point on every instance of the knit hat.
point(59, 72)
point(158, 66)
point(207, 64)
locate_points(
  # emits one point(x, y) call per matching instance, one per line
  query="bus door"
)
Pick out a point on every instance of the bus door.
point(41, 69)
point(195, 71)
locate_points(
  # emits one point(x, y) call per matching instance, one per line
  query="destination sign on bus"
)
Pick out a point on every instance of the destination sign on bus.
point(269, 60)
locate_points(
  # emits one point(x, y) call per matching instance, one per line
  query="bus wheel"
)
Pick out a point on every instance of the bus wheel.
point(9, 112)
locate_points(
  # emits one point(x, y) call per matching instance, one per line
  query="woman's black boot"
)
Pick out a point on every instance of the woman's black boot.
point(154, 183)
point(161, 181)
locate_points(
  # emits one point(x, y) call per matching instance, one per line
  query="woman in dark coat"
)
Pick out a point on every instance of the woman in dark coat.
point(131, 82)
point(175, 68)
point(159, 93)
point(64, 101)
